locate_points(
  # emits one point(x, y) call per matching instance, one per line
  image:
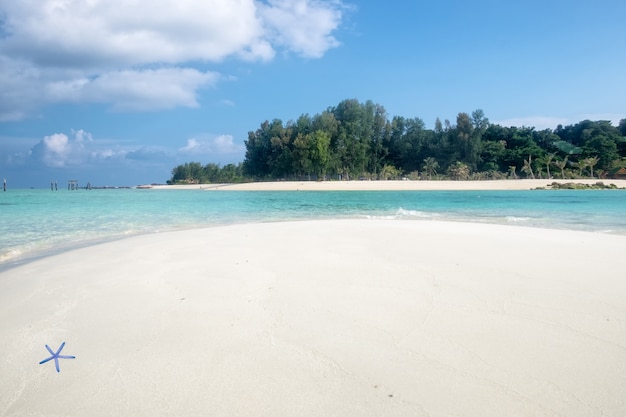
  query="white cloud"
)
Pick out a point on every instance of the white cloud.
point(58, 150)
point(213, 147)
point(193, 146)
point(105, 52)
point(82, 136)
point(61, 151)
point(136, 90)
point(80, 150)
point(303, 26)
point(131, 32)
point(225, 144)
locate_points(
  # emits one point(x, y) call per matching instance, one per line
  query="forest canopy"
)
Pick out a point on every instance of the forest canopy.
point(355, 140)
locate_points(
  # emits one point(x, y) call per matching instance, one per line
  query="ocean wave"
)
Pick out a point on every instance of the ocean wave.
point(516, 219)
point(414, 213)
point(9, 255)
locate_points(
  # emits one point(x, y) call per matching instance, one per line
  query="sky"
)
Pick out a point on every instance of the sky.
point(120, 92)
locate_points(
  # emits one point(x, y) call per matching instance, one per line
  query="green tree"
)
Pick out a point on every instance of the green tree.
point(604, 148)
point(548, 160)
point(528, 167)
point(358, 139)
point(389, 172)
point(622, 127)
point(379, 132)
point(430, 166)
point(459, 171)
point(581, 165)
point(351, 145)
point(281, 149)
point(301, 155)
point(259, 149)
point(231, 173)
point(189, 172)
point(479, 121)
point(320, 153)
point(561, 164)
point(591, 162)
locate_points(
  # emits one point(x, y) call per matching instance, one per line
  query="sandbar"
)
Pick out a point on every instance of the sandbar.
point(321, 318)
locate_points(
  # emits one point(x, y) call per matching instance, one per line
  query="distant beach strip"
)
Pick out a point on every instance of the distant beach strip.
point(392, 185)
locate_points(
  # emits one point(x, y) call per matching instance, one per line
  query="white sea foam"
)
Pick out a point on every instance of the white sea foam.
point(516, 219)
point(415, 213)
point(10, 254)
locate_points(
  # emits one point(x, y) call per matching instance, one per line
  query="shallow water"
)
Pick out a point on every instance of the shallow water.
point(39, 222)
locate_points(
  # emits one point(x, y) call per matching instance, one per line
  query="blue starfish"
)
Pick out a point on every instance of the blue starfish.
point(56, 356)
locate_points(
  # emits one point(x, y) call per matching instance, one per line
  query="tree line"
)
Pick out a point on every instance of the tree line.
point(355, 140)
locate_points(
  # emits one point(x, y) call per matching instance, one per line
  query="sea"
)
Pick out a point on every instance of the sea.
point(40, 222)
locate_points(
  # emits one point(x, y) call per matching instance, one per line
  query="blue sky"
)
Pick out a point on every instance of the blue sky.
point(118, 93)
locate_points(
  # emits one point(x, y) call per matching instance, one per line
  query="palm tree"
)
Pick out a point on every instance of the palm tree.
point(548, 159)
point(591, 162)
point(430, 166)
point(527, 168)
point(561, 165)
point(581, 164)
point(389, 171)
point(458, 171)
point(512, 173)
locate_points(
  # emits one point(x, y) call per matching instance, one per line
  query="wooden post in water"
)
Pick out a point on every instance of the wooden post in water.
point(5, 184)
point(72, 184)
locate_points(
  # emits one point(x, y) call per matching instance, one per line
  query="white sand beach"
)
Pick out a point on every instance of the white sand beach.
point(522, 184)
point(321, 318)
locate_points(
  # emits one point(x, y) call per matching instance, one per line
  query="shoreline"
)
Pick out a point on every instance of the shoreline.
point(422, 185)
point(10, 260)
point(321, 317)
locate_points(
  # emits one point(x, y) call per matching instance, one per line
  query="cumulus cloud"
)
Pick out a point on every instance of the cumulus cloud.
point(79, 149)
point(128, 32)
point(302, 26)
point(107, 52)
point(79, 154)
point(60, 150)
point(56, 150)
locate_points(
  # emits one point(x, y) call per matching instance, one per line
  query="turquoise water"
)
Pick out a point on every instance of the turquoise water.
point(39, 222)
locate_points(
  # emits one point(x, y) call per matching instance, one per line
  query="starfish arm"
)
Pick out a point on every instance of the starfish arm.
point(46, 360)
point(56, 355)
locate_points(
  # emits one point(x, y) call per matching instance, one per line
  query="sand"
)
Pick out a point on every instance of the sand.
point(387, 185)
point(321, 318)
